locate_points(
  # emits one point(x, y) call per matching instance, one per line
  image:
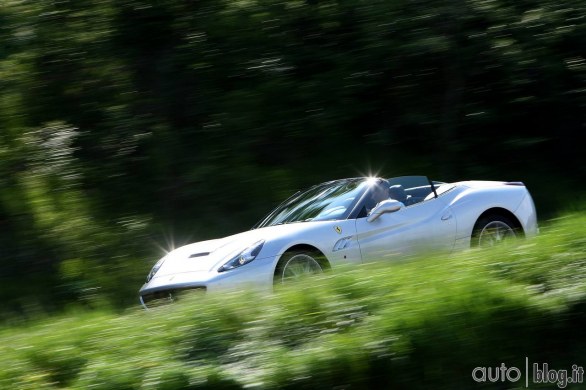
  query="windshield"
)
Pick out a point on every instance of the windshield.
point(325, 202)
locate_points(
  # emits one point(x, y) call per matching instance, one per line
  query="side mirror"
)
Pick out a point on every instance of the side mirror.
point(386, 206)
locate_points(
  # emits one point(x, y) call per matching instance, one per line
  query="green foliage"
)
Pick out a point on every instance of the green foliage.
point(130, 125)
point(124, 122)
point(420, 324)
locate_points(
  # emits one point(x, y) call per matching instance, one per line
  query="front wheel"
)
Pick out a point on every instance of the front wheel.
point(493, 230)
point(296, 265)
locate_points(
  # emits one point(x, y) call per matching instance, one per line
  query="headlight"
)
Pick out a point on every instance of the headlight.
point(244, 257)
point(155, 269)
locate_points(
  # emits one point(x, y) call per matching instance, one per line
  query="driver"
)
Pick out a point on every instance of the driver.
point(378, 192)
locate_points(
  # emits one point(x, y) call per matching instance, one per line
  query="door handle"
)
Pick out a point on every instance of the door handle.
point(446, 216)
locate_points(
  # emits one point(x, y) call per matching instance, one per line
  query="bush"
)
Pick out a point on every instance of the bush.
point(422, 324)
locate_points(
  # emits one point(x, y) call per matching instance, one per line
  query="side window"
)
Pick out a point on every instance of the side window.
point(411, 190)
point(419, 194)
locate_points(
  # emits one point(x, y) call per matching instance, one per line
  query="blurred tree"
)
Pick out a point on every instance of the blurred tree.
point(191, 119)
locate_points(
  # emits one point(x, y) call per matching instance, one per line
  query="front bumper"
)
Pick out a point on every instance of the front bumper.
point(257, 274)
point(161, 297)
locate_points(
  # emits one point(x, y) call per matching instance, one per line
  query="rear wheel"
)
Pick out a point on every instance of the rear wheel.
point(493, 230)
point(296, 265)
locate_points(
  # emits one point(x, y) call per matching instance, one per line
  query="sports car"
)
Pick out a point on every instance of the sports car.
point(353, 220)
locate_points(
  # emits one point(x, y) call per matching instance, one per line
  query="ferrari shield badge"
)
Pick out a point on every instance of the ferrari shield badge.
point(338, 229)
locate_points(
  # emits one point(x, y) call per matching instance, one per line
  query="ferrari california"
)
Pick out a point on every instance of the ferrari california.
point(354, 221)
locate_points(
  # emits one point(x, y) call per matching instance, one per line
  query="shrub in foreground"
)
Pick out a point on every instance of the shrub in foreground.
point(422, 324)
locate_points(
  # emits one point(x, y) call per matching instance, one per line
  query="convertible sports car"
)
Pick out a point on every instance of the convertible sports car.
point(348, 221)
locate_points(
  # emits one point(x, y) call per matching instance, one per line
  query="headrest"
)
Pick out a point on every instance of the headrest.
point(398, 192)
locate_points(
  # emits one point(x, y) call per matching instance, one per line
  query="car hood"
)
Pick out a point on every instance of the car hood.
point(206, 256)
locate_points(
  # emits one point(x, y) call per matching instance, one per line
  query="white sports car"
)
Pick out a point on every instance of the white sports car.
point(348, 221)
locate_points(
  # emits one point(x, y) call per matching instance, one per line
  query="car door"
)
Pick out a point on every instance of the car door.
point(426, 226)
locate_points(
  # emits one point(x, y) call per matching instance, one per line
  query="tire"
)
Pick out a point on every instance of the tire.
point(492, 230)
point(296, 265)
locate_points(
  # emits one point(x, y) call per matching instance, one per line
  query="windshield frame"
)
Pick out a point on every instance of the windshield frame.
point(266, 221)
point(355, 209)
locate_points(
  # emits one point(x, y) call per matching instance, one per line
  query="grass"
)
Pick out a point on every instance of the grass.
point(417, 325)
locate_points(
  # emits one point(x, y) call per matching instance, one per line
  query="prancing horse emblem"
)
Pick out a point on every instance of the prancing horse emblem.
point(338, 229)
